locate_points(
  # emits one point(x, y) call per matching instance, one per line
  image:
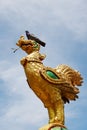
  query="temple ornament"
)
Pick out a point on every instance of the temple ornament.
point(53, 86)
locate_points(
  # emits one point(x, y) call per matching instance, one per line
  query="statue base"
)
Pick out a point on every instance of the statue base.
point(53, 126)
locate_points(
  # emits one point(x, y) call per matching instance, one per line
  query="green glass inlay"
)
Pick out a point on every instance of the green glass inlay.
point(36, 44)
point(52, 74)
point(58, 128)
point(63, 129)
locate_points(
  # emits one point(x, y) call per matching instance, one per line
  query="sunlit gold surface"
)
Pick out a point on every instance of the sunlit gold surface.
point(52, 92)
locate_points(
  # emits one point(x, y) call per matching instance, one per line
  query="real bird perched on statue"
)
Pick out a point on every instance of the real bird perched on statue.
point(53, 86)
point(32, 37)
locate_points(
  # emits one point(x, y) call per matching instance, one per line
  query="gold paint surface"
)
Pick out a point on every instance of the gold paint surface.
point(54, 93)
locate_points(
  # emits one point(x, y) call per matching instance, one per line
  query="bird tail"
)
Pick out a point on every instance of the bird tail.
point(72, 76)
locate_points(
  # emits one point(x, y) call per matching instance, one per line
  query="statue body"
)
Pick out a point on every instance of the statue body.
point(47, 92)
point(53, 86)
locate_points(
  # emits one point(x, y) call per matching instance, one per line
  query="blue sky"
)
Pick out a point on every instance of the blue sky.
point(62, 24)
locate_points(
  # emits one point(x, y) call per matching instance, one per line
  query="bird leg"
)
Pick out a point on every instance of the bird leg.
point(59, 112)
point(51, 114)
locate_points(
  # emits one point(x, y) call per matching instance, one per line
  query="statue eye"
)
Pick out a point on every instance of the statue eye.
point(26, 44)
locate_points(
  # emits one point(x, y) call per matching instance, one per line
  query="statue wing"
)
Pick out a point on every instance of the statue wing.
point(65, 78)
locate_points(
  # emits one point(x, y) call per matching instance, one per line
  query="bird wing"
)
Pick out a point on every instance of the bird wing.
point(65, 78)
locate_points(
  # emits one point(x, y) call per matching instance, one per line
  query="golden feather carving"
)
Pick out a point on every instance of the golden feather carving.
point(53, 86)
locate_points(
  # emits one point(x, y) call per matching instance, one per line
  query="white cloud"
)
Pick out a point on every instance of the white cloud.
point(21, 112)
point(23, 106)
point(69, 14)
point(58, 18)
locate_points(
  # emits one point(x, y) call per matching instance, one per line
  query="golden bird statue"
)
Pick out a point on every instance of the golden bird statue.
point(53, 86)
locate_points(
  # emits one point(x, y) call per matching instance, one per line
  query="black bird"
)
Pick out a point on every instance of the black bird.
point(32, 37)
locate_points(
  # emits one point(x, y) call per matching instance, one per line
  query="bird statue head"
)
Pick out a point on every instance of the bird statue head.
point(28, 45)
